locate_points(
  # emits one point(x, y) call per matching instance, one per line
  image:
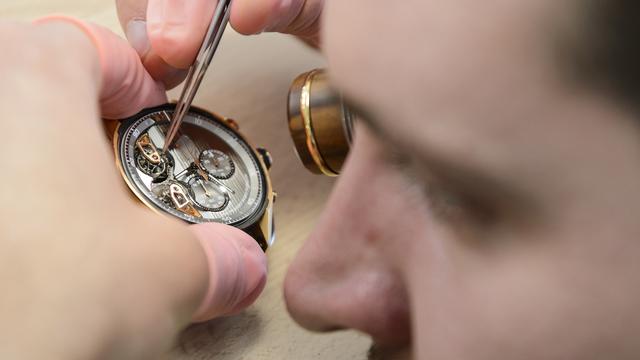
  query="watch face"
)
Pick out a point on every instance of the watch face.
point(209, 175)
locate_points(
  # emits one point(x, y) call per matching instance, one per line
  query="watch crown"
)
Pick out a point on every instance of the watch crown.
point(232, 123)
point(266, 157)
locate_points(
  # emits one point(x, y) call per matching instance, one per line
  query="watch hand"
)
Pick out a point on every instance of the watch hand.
point(182, 172)
point(201, 170)
point(191, 168)
point(206, 176)
point(203, 174)
point(206, 192)
point(224, 187)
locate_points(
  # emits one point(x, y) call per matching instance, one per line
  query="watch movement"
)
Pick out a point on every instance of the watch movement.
point(210, 174)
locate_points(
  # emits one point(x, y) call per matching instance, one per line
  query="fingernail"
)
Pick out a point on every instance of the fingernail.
point(237, 270)
point(138, 37)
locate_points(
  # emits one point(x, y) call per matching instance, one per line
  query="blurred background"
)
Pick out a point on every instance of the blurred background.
point(248, 81)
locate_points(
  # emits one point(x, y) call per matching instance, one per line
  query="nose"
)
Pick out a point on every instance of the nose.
point(365, 300)
point(344, 277)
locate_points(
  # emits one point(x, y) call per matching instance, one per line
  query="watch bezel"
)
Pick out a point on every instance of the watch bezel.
point(125, 124)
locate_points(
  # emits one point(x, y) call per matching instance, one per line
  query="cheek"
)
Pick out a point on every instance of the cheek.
point(558, 291)
point(350, 272)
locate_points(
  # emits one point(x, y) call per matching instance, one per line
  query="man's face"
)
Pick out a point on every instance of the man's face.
point(489, 208)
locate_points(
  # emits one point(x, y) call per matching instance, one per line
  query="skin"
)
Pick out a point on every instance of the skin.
point(534, 256)
point(488, 207)
point(93, 274)
point(487, 210)
point(523, 242)
point(167, 33)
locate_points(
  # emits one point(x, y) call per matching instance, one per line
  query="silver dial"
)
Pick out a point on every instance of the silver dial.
point(210, 175)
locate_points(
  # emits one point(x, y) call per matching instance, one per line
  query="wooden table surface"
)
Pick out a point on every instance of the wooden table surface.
point(248, 82)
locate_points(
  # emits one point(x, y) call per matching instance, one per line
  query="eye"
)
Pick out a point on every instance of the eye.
point(452, 192)
point(447, 199)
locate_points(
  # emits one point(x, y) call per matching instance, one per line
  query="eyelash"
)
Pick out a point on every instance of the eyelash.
point(441, 202)
point(450, 203)
point(444, 202)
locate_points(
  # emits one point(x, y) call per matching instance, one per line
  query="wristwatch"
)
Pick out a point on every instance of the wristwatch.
point(211, 174)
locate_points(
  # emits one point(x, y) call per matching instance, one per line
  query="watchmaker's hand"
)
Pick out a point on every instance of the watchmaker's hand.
point(168, 33)
point(108, 279)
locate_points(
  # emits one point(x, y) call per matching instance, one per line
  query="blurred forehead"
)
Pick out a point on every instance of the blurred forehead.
point(418, 63)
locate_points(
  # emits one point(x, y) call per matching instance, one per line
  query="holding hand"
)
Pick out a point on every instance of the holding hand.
point(87, 273)
point(168, 33)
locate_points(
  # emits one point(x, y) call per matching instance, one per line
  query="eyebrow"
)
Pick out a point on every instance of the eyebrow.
point(474, 184)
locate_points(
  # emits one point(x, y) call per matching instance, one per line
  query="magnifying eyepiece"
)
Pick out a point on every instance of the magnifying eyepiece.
point(321, 126)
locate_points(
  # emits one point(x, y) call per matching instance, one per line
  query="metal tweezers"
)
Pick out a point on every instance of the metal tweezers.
point(198, 69)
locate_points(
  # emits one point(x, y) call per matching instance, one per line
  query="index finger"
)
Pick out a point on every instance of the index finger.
point(168, 33)
point(170, 30)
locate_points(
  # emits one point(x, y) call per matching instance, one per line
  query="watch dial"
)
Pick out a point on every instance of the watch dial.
point(209, 175)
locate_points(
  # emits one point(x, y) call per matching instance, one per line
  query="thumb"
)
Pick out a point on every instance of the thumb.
point(190, 273)
point(237, 270)
point(126, 86)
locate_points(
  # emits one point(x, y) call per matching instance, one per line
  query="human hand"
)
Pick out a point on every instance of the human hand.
point(86, 273)
point(167, 33)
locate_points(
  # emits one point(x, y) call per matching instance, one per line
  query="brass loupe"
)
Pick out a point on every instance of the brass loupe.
point(321, 125)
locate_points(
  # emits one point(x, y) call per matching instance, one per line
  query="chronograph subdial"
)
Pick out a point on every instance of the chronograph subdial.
point(217, 163)
point(207, 195)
